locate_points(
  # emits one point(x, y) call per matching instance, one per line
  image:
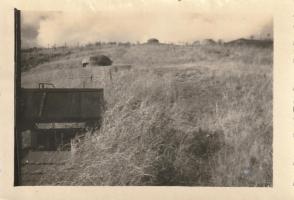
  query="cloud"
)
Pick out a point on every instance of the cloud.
point(30, 25)
point(169, 21)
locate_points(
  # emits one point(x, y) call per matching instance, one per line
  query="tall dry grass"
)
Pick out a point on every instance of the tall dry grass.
point(209, 124)
point(185, 115)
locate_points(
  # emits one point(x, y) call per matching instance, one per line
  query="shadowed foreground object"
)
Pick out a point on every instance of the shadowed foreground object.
point(61, 105)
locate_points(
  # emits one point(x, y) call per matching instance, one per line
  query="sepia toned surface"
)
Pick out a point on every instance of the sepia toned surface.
point(185, 106)
point(168, 69)
point(216, 99)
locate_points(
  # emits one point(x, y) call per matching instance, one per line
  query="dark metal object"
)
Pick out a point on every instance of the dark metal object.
point(17, 120)
point(52, 105)
point(42, 109)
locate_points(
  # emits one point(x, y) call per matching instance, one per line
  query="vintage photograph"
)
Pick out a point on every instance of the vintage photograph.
point(158, 93)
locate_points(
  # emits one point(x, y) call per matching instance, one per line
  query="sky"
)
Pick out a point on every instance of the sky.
point(136, 21)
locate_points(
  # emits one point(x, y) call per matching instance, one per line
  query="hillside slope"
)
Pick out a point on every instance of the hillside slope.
point(184, 115)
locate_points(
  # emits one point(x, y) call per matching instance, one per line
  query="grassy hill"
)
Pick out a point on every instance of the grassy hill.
point(184, 115)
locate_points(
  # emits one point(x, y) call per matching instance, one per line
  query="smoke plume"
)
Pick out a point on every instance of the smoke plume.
point(169, 21)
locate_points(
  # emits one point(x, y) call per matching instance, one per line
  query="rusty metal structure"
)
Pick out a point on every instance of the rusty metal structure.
point(50, 119)
point(55, 115)
point(61, 105)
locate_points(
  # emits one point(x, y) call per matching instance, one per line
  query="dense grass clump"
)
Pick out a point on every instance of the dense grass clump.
point(185, 115)
point(169, 129)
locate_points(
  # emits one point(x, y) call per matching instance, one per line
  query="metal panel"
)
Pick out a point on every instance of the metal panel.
point(61, 105)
